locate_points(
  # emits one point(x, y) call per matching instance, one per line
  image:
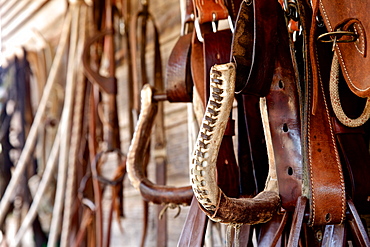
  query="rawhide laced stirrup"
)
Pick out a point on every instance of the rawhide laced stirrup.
point(215, 203)
point(158, 194)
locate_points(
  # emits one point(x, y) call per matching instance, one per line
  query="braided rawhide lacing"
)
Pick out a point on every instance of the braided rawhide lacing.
point(136, 158)
point(212, 130)
point(335, 100)
point(203, 171)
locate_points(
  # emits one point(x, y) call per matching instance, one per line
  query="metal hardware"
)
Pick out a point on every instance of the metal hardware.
point(336, 37)
point(198, 30)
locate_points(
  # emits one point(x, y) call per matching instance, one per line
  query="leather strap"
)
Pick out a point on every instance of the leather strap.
point(254, 46)
point(210, 10)
point(352, 56)
point(284, 114)
point(108, 86)
point(252, 153)
point(193, 231)
point(356, 160)
point(323, 166)
point(179, 84)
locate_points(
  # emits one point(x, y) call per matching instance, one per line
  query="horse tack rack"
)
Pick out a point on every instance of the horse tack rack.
point(306, 180)
point(152, 115)
point(299, 177)
point(104, 99)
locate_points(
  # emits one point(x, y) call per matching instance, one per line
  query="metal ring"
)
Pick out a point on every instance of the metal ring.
point(335, 37)
point(112, 182)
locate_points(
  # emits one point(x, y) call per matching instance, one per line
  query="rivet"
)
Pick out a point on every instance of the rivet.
point(319, 235)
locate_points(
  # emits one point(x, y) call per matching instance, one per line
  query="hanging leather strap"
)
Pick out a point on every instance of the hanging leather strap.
point(285, 123)
point(193, 231)
point(324, 176)
point(210, 10)
point(254, 46)
point(179, 84)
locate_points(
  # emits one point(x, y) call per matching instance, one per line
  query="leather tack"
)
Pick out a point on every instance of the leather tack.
point(353, 57)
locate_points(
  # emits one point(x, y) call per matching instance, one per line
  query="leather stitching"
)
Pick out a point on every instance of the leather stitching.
point(339, 52)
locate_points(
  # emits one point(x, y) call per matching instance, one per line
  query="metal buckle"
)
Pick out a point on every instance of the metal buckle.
point(336, 36)
point(198, 30)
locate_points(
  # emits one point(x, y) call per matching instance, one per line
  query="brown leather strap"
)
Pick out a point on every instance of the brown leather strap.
point(197, 67)
point(284, 114)
point(211, 10)
point(233, 7)
point(187, 15)
point(358, 229)
point(254, 46)
point(216, 50)
point(355, 156)
point(179, 84)
point(193, 231)
point(313, 59)
point(324, 170)
point(297, 221)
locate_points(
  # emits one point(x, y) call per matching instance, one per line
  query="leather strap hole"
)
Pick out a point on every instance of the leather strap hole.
point(290, 171)
point(328, 217)
point(285, 127)
point(281, 84)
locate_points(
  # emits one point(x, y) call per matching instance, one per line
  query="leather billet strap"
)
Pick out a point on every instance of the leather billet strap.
point(215, 49)
point(135, 159)
point(193, 231)
point(324, 181)
point(209, 45)
point(254, 46)
point(179, 83)
point(285, 121)
point(210, 10)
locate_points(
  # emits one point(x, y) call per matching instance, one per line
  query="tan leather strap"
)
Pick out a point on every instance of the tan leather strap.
point(323, 166)
point(210, 10)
